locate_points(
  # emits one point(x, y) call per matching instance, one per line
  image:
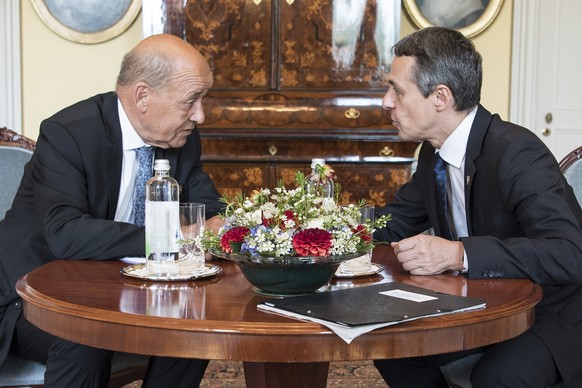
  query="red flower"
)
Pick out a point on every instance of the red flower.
point(312, 242)
point(233, 235)
point(362, 231)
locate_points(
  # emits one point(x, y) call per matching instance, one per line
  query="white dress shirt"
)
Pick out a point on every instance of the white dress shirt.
point(129, 165)
point(453, 152)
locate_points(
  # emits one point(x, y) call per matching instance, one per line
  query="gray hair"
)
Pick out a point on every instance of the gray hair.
point(153, 68)
point(444, 56)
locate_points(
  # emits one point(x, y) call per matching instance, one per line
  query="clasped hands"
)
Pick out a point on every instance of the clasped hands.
point(429, 255)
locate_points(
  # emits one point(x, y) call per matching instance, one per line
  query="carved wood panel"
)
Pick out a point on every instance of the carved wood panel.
point(322, 46)
point(375, 182)
point(293, 80)
point(235, 38)
point(299, 45)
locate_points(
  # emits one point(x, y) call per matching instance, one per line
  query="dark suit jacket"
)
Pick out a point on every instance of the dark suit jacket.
point(523, 221)
point(65, 205)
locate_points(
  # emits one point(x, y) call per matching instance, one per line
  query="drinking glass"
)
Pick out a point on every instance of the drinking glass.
point(364, 262)
point(192, 218)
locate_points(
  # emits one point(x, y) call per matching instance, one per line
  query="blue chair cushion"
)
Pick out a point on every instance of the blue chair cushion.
point(19, 372)
point(574, 177)
point(13, 161)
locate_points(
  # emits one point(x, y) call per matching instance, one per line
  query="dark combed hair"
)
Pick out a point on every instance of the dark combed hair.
point(445, 56)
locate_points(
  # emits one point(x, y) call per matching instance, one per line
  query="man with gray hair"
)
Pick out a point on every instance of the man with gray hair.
point(75, 200)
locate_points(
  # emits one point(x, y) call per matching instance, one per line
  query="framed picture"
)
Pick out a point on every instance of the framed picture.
point(468, 16)
point(88, 21)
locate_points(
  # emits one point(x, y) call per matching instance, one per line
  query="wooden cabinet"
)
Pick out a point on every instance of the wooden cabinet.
point(294, 80)
point(376, 181)
point(254, 163)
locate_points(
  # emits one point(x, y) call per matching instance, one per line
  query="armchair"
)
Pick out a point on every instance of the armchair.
point(15, 152)
point(572, 170)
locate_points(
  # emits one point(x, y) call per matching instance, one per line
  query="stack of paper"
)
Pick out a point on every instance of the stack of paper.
point(355, 311)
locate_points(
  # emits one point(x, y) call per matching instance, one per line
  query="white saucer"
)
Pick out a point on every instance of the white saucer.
point(374, 269)
point(139, 271)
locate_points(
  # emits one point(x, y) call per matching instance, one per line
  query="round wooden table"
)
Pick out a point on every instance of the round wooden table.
point(92, 303)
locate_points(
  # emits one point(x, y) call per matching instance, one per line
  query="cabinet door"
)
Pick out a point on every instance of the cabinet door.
point(336, 44)
point(375, 182)
point(292, 44)
point(232, 178)
point(286, 172)
point(235, 38)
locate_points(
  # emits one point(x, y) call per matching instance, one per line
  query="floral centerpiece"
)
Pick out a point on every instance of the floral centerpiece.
point(303, 225)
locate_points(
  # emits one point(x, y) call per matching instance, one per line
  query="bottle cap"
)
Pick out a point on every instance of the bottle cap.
point(316, 161)
point(162, 165)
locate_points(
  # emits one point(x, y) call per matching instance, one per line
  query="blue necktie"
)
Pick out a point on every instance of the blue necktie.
point(440, 188)
point(144, 173)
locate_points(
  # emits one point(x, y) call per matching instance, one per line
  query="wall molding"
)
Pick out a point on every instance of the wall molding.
point(10, 78)
point(523, 89)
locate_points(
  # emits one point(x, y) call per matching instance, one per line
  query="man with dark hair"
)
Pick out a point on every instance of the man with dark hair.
point(501, 210)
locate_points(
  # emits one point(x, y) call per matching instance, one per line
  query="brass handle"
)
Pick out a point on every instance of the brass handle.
point(549, 117)
point(386, 151)
point(273, 150)
point(352, 113)
point(546, 132)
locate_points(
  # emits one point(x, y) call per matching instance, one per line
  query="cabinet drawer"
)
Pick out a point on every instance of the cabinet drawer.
point(232, 178)
point(375, 182)
point(278, 150)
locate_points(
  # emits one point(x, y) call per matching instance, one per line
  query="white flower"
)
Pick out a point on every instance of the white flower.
point(315, 223)
point(256, 217)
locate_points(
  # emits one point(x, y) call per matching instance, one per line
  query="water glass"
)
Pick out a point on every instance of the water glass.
point(192, 219)
point(364, 262)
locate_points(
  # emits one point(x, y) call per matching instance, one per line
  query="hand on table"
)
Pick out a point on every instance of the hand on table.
point(429, 255)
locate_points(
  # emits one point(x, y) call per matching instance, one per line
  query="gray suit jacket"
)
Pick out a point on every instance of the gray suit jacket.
point(66, 202)
point(523, 220)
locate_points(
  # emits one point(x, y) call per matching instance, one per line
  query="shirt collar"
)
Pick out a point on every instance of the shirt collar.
point(130, 138)
point(454, 148)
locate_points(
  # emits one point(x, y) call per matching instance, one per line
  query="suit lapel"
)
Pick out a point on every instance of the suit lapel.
point(114, 151)
point(474, 145)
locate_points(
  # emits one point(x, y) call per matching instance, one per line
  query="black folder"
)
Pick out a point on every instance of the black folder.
point(381, 303)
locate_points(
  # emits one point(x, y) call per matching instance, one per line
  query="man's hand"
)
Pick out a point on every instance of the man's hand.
point(429, 255)
point(214, 223)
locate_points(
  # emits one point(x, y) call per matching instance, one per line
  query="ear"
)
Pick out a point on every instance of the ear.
point(443, 97)
point(141, 96)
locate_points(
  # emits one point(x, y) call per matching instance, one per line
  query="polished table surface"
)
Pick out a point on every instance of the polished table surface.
point(92, 303)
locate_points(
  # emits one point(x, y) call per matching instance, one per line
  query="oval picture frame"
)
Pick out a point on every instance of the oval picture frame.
point(488, 14)
point(87, 22)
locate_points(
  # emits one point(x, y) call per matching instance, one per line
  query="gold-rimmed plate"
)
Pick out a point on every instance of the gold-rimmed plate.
point(138, 271)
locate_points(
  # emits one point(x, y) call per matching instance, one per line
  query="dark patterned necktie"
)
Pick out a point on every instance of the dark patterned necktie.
point(440, 188)
point(144, 173)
